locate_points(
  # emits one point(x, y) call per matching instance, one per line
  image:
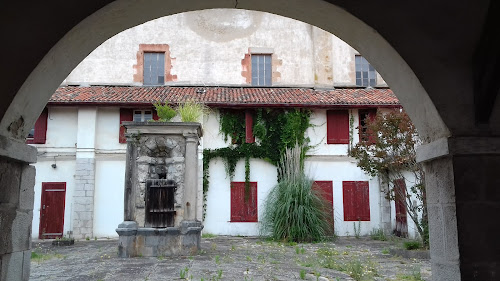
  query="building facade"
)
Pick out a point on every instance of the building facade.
point(226, 59)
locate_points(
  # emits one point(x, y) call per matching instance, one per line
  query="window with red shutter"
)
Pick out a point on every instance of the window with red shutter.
point(126, 114)
point(249, 137)
point(243, 206)
point(337, 127)
point(364, 116)
point(356, 197)
point(39, 133)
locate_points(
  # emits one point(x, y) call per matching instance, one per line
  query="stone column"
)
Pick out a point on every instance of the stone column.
point(17, 181)
point(463, 201)
point(83, 198)
point(191, 177)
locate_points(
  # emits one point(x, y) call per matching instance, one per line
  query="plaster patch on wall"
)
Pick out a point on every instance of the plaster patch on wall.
point(222, 25)
point(155, 48)
point(16, 127)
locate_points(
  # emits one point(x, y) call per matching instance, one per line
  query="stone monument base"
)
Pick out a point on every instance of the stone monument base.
point(137, 241)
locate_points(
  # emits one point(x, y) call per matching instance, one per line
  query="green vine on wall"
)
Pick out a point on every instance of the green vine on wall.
point(274, 130)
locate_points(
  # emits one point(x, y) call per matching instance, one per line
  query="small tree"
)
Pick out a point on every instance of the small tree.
point(390, 153)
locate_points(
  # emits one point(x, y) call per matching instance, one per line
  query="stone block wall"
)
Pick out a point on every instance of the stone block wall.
point(17, 180)
point(83, 198)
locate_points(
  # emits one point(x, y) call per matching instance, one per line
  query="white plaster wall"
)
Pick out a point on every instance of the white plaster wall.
point(61, 128)
point(107, 130)
point(45, 173)
point(317, 134)
point(212, 138)
point(328, 162)
point(108, 195)
point(207, 48)
point(218, 216)
point(339, 169)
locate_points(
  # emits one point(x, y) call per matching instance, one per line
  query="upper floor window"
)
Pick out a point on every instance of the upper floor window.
point(38, 133)
point(261, 70)
point(143, 115)
point(154, 68)
point(366, 115)
point(365, 73)
point(337, 127)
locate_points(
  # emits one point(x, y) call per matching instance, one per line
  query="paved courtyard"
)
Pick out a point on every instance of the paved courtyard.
point(232, 258)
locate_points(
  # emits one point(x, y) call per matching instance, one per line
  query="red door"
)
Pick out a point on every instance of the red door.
point(400, 200)
point(52, 210)
point(325, 188)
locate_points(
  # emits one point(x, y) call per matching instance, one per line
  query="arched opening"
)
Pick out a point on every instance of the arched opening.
point(120, 15)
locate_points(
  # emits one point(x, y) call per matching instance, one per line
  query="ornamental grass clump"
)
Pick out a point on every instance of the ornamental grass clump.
point(164, 111)
point(191, 111)
point(293, 211)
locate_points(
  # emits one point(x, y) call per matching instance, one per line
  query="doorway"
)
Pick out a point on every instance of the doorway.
point(52, 210)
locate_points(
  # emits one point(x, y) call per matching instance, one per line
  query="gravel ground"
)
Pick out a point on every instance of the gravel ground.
point(231, 258)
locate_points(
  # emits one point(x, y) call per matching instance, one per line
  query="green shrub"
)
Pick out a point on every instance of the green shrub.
point(165, 112)
point(191, 111)
point(412, 245)
point(293, 211)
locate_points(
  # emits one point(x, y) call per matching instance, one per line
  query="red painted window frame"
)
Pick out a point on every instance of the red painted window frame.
point(243, 210)
point(356, 198)
point(364, 134)
point(40, 135)
point(337, 126)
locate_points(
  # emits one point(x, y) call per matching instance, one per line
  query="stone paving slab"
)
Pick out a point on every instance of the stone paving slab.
point(226, 258)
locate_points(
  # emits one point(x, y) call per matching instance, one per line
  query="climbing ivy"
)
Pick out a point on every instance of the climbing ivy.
point(274, 129)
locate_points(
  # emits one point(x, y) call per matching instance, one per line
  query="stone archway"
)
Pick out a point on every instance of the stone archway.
point(458, 158)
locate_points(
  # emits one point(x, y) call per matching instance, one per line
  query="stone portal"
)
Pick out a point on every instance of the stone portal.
point(161, 190)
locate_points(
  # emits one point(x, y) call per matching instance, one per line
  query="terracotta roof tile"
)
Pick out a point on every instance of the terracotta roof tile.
point(224, 96)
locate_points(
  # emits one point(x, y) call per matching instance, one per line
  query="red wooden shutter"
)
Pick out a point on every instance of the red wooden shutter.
point(155, 115)
point(126, 114)
point(363, 202)
point(400, 202)
point(325, 190)
point(348, 190)
point(249, 127)
point(337, 130)
point(40, 135)
point(356, 197)
point(243, 210)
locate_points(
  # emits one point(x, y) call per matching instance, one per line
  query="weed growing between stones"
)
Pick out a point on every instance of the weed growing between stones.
point(378, 234)
point(412, 245)
point(208, 235)
point(357, 230)
point(302, 274)
point(39, 255)
point(183, 273)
